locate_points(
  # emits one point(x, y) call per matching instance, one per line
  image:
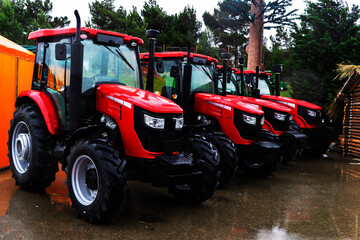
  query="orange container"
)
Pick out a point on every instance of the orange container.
point(16, 70)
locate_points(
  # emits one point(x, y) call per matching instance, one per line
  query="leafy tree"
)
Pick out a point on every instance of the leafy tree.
point(176, 30)
point(279, 52)
point(9, 27)
point(275, 12)
point(188, 26)
point(307, 85)
point(228, 31)
point(154, 16)
point(237, 12)
point(105, 16)
point(206, 44)
point(328, 35)
point(34, 15)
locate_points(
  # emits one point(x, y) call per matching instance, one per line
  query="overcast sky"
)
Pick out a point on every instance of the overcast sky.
point(67, 7)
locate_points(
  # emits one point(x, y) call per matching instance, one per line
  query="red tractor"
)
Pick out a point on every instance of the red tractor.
point(277, 117)
point(188, 79)
point(86, 110)
point(306, 117)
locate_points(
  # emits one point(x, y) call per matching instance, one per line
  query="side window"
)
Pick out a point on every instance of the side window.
point(39, 62)
point(55, 69)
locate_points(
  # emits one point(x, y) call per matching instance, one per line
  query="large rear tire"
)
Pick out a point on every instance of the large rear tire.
point(29, 148)
point(228, 156)
point(206, 160)
point(96, 180)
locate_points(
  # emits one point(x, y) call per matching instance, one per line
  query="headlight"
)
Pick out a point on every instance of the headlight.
point(249, 120)
point(279, 116)
point(290, 117)
point(153, 122)
point(179, 123)
point(311, 113)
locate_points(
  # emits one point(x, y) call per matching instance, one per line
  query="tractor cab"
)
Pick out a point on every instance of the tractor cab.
point(107, 57)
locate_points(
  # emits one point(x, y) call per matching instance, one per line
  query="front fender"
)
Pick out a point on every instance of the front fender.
point(45, 105)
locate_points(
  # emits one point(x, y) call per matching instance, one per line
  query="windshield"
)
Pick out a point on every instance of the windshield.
point(264, 87)
point(106, 63)
point(163, 82)
point(201, 78)
point(230, 86)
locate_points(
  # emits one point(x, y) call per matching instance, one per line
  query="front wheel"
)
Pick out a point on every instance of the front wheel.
point(96, 180)
point(228, 156)
point(206, 160)
point(29, 148)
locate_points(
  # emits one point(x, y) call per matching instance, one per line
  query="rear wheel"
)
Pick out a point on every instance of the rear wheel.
point(228, 157)
point(206, 160)
point(29, 148)
point(96, 180)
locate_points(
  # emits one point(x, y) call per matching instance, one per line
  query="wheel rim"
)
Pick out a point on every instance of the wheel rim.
point(21, 147)
point(85, 180)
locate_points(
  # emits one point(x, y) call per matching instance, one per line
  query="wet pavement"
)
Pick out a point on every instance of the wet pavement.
point(307, 199)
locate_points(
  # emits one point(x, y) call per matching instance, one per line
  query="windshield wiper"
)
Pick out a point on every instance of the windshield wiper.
point(122, 56)
point(205, 70)
point(119, 54)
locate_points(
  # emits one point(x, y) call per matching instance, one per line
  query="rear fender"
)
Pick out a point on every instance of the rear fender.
point(45, 105)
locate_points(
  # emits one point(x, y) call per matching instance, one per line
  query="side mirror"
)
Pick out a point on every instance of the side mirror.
point(60, 51)
point(160, 65)
point(174, 71)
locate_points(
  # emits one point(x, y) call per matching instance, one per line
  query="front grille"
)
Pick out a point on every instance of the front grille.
point(303, 112)
point(275, 123)
point(166, 140)
point(247, 131)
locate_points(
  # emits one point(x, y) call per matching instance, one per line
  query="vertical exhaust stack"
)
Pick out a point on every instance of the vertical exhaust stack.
point(242, 80)
point(152, 35)
point(277, 69)
point(77, 51)
point(256, 90)
point(186, 88)
point(225, 57)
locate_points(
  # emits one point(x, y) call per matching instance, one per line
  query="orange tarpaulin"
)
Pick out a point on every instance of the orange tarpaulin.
point(16, 69)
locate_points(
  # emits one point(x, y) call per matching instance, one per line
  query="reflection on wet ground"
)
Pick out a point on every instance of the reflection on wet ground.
point(307, 199)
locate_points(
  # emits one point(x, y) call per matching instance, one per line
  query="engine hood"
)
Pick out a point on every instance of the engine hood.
point(129, 96)
point(229, 102)
point(263, 103)
point(291, 102)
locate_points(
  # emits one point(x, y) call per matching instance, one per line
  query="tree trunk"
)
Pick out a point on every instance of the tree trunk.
point(255, 47)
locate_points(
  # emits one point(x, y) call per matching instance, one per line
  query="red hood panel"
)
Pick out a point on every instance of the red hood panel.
point(261, 102)
point(291, 101)
point(129, 96)
point(229, 102)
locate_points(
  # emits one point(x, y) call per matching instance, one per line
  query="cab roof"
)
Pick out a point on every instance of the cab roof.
point(43, 33)
point(178, 55)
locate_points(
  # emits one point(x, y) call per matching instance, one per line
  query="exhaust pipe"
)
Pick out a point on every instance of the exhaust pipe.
point(277, 69)
point(77, 51)
point(225, 57)
point(152, 35)
point(242, 80)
